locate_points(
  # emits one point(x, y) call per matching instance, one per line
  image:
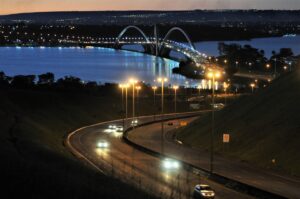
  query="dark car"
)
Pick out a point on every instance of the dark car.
point(170, 123)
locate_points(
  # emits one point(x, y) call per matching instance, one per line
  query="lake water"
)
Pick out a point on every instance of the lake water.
point(109, 65)
point(96, 64)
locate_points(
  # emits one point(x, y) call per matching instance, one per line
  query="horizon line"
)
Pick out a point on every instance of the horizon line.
point(145, 10)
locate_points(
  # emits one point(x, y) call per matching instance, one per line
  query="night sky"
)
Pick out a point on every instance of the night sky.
point(19, 6)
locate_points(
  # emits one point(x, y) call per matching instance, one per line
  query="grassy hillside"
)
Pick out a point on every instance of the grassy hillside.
point(263, 127)
point(34, 162)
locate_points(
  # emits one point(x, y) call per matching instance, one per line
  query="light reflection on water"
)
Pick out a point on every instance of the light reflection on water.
point(97, 64)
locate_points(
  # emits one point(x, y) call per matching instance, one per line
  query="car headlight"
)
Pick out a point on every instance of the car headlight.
point(102, 144)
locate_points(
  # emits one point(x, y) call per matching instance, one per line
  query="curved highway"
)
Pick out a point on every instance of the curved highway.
point(135, 167)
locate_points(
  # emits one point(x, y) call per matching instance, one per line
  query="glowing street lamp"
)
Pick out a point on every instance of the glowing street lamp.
point(236, 64)
point(252, 85)
point(133, 82)
point(124, 86)
point(162, 80)
point(154, 88)
point(175, 101)
point(212, 75)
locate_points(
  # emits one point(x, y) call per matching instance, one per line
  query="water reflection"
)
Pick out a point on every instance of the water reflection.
point(91, 64)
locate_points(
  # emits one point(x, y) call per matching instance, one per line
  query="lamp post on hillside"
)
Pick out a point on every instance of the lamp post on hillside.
point(175, 100)
point(225, 86)
point(162, 80)
point(275, 67)
point(212, 75)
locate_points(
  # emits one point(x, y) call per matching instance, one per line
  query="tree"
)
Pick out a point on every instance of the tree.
point(47, 78)
point(4, 80)
point(285, 52)
point(70, 82)
point(23, 81)
point(246, 56)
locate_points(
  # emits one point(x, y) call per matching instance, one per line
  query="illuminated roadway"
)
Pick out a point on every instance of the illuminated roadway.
point(149, 137)
point(136, 167)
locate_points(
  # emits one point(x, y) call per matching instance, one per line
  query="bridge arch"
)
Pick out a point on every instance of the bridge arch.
point(182, 32)
point(131, 27)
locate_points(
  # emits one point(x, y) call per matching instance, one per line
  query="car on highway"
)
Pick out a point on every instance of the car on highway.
point(170, 123)
point(119, 129)
point(218, 105)
point(112, 126)
point(134, 122)
point(203, 191)
point(102, 144)
point(170, 164)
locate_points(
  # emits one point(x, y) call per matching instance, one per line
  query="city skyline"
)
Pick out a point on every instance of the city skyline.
point(24, 6)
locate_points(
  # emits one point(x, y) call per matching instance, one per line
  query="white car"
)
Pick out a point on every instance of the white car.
point(119, 129)
point(203, 191)
point(218, 106)
point(102, 144)
point(134, 122)
point(112, 126)
point(170, 164)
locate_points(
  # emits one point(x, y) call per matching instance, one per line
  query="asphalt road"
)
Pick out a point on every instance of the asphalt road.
point(149, 136)
point(132, 166)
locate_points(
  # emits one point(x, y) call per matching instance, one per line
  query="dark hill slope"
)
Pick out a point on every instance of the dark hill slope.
point(263, 127)
point(34, 162)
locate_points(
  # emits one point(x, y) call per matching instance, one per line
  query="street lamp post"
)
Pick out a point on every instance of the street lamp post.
point(275, 68)
point(122, 86)
point(212, 75)
point(138, 88)
point(236, 64)
point(133, 82)
point(199, 95)
point(252, 85)
point(225, 86)
point(162, 80)
point(154, 88)
point(126, 103)
point(175, 100)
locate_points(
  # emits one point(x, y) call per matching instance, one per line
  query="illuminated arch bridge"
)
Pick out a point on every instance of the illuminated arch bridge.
point(154, 45)
point(161, 46)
